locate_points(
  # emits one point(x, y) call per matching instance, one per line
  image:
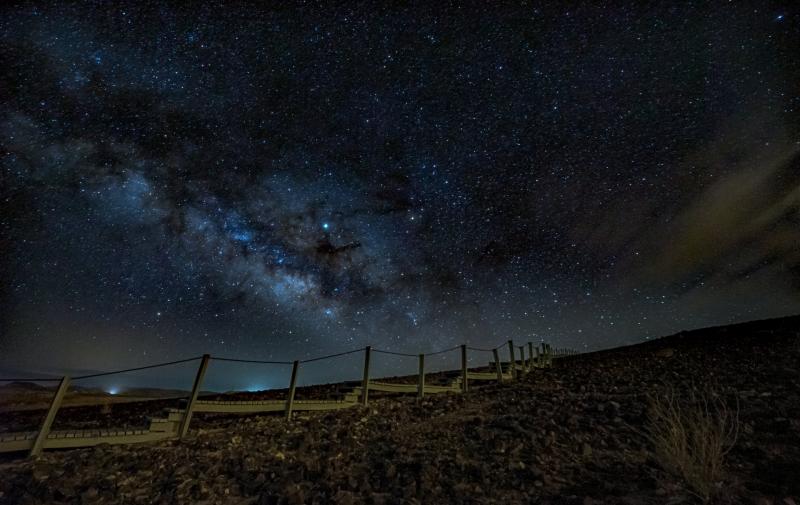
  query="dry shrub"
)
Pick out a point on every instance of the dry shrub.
point(691, 437)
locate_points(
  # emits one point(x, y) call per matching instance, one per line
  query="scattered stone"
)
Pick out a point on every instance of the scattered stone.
point(556, 436)
point(666, 352)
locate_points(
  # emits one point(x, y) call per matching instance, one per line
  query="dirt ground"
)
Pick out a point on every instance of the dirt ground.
point(575, 433)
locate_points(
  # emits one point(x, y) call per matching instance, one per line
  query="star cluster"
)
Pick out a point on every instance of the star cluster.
point(284, 182)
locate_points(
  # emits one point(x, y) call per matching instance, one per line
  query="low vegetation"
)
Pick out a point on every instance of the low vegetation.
point(691, 437)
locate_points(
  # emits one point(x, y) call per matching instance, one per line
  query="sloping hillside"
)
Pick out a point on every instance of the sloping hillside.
point(571, 434)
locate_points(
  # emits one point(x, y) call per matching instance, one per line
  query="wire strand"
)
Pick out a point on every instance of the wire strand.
point(481, 350)
point(236, 360)
point(101, 374)
point(30, 380)
point(331, 356)
point(442, 351)
point(395, 353)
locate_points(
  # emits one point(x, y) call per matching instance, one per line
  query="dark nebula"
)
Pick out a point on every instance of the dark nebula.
point(283, 182)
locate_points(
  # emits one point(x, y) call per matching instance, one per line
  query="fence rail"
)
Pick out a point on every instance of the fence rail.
point(175, 423)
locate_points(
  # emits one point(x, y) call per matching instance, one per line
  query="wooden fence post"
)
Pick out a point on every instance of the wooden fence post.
point(538, 357)
point(292, 386)
point(522, 365)
point(55, 404)
point(497, 365)
point(198, 381)
point(464, 386)
point(421, 380)
point(530, 355)
point(511, 363)
point(365, 380)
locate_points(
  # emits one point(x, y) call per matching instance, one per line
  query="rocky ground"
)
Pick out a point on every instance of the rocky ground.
point(571, 434)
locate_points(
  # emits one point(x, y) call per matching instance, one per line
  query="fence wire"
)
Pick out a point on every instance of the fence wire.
point(114, 372)
point(333, 355)
point(479, 349)
point(237, 360)
point(381, 351)
point(442, 351)
point(30, 380)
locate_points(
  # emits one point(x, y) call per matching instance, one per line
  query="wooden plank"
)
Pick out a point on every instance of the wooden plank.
point(290, 394)
point(365, 380)
point(44, 430)
point(323, 405)
point(421, 379)
point(162, 425)
point(71, 442)
point(441, 389)
point(403, 388)
point(16, 445)
point(464, 378)
point(198, 381)
point(482, 376)
point(512, 361)
point(272, 406)
point(498, 366)
point(389, 387)
point(530, 355)
point(244, 407)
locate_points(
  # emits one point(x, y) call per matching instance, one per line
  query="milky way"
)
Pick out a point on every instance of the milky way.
point(283, 183)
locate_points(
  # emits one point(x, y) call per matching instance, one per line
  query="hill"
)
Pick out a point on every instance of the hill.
point(574, 433)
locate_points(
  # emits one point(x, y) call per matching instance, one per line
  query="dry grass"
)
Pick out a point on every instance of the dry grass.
point(692, 436)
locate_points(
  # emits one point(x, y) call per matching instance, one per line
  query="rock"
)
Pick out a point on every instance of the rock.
point(343, 497)
point(666, 352)
point(294, 495)
point(485, 447)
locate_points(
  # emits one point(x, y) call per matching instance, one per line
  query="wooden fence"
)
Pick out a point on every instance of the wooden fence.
point(175, 423)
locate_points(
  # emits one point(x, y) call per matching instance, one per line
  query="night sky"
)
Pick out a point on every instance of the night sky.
point(280, 183)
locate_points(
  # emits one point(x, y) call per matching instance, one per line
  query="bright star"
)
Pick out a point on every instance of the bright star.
point(325, 226)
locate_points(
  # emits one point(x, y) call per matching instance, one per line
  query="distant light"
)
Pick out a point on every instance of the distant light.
point(325, 226)
point(779, 17)
point(113, 391)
